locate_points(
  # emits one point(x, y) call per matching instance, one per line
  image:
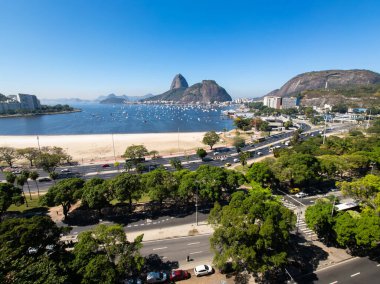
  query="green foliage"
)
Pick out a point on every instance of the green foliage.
point(238, 143)
point(135, 153)
point(8, 155)
point(48, 162)
point(211, 138)
point(261, 173)
point(96, 193)
point(345, 229)
point(252, 232)
point(126, 186)
point(201, 153)
point(176, 163)
point(9, 194)
point(244, 156)
point(320, 219)
point(243, 123)
point(29, 153)
point(368, 231)
point(65, 192)
point(160, 184)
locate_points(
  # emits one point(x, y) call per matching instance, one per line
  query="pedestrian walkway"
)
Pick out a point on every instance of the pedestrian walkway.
point(302, 228)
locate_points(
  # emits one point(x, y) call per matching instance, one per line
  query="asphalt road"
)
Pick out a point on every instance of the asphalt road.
point(354, 271)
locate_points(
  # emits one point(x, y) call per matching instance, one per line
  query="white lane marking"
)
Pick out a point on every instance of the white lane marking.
point(353, 275)
point(190, 244)
point(164, 257)
point(160, 248)
point(135, 225)
point(378, 265)
point(195, 252)
point(334, 282)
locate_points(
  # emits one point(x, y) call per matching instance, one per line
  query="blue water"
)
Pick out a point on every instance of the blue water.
point(100, 119)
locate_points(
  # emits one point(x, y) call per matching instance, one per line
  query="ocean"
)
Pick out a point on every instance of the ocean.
point(98, 118)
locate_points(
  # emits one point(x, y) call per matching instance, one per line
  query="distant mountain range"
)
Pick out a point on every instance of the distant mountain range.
point(114, 99)
point(208, 91)
point(357, 88)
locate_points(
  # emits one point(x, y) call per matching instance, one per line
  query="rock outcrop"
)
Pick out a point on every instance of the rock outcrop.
point(206, 92)
point(179, 82)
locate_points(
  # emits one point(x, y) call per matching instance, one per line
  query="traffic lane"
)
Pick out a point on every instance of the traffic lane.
point(177, 249)
point(357, 270)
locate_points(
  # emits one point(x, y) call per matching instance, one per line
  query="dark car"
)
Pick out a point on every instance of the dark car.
point(178, 275)
point(106, 166)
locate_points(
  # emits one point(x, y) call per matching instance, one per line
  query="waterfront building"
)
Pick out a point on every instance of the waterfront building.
point(273, 102)
point(20, 102)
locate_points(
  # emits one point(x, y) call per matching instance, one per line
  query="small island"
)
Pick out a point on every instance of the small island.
point(29, 105)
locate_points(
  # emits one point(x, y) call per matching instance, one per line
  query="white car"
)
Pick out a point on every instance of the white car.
point(259, 153)
point(201, 270)
point(301, 194)
point(65, 171)
point(236, 160)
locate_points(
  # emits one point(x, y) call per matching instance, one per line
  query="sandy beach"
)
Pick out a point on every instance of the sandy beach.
point(99, 147)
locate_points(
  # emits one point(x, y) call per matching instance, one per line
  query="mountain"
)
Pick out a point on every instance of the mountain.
point(179, 82)
point(206, 92)
point(114, 99)
point(350, 87)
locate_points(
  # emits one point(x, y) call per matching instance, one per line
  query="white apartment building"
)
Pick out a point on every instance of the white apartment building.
point(273, 102)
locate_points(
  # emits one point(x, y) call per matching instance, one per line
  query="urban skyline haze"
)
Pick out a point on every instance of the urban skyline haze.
point(85, 49)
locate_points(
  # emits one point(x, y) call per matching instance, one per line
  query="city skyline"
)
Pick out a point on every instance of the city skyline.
point(85, 49)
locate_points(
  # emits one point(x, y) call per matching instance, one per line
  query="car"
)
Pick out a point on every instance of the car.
point(32, 250)
point(44, 179)
point(223, 158)
point(227, 164)
point(179, 274)
point(301, 194)
point(201, 270)
point(106, 166)
point(132, 281)
point(334, 189)
point(65, 171)
point(259, 153)
point(236, 160)
point(156, 277)
point(216, 153)
point(207, 159)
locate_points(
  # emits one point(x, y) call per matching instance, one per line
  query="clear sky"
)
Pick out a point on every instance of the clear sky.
point(78, 48)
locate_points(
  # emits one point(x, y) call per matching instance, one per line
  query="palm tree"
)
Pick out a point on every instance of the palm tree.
point(20, 180)
point(10, 177)
point(26, 173)
point(34, 176)
point(53, 176)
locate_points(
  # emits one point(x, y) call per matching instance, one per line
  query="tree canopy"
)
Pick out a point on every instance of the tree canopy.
point(211, 138)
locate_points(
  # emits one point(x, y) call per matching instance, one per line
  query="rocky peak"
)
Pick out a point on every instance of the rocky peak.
point(179, 82)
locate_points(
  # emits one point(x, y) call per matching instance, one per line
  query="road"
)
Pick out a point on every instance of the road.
point(354, 271)
point(177, 249)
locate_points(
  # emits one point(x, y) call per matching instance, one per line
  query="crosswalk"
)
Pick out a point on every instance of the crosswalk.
point(301, 224)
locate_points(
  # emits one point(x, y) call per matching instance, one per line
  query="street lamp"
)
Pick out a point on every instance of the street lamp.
point(196, 205)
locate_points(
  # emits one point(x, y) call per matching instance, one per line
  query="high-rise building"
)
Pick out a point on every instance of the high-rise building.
point(28, 102)
point(291, 102)
point(273, 102)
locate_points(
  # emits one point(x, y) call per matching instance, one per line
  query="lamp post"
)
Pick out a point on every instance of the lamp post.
point(196, 206)
point(332, 209)
point(113, 145)
point(38, 142)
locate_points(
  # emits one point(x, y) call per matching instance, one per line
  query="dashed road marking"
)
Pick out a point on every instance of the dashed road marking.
point(160, 248)
point(353, 275)
point(334, 282)
point(378, 265)
point(195, 252)
point(190, 244)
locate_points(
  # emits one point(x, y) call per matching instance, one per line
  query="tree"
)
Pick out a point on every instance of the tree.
point(8, 155)
point(126, 186)
point(155, 154)
point(242, 123)
point(160, 184)
point(261, 173)
point(244, 156)
point(96, 194)
point(10, 177)
point(238, 143)
point(48, 162)
point(9, 194)
point(288, 124)
point(34, 176)
point(252, 232)
point(264, 126)
point(135, 153)
point(295, 138)
point(29, 153)
point(26, 174)
point(65, 192)
point(19, 234)
point(107, 248)
point(319, 218)
point(176, 163)
point(345, 230)
point(20, 181)
point(368, 231)
point(201, 153)
point(210, 138)
point(366, 189)
point(53, 176)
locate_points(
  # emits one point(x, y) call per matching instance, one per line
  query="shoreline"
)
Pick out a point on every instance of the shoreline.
point(35, 114)
point(101, 147)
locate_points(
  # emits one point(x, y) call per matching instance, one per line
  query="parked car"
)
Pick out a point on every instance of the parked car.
point(65, 171)
point(156, 277)
point(259, 153)
point(44, 179)
point(236, 160)
point(106, 166)
point(178, 275)
point(207, 159)
point(301, 194)
point(201, 270)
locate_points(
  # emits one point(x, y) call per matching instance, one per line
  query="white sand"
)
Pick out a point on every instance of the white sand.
point(99, 147)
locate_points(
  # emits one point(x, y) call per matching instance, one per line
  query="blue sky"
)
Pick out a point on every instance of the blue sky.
point(78, 48)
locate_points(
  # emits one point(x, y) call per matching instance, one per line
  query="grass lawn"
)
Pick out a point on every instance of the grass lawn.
point(32, 204)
